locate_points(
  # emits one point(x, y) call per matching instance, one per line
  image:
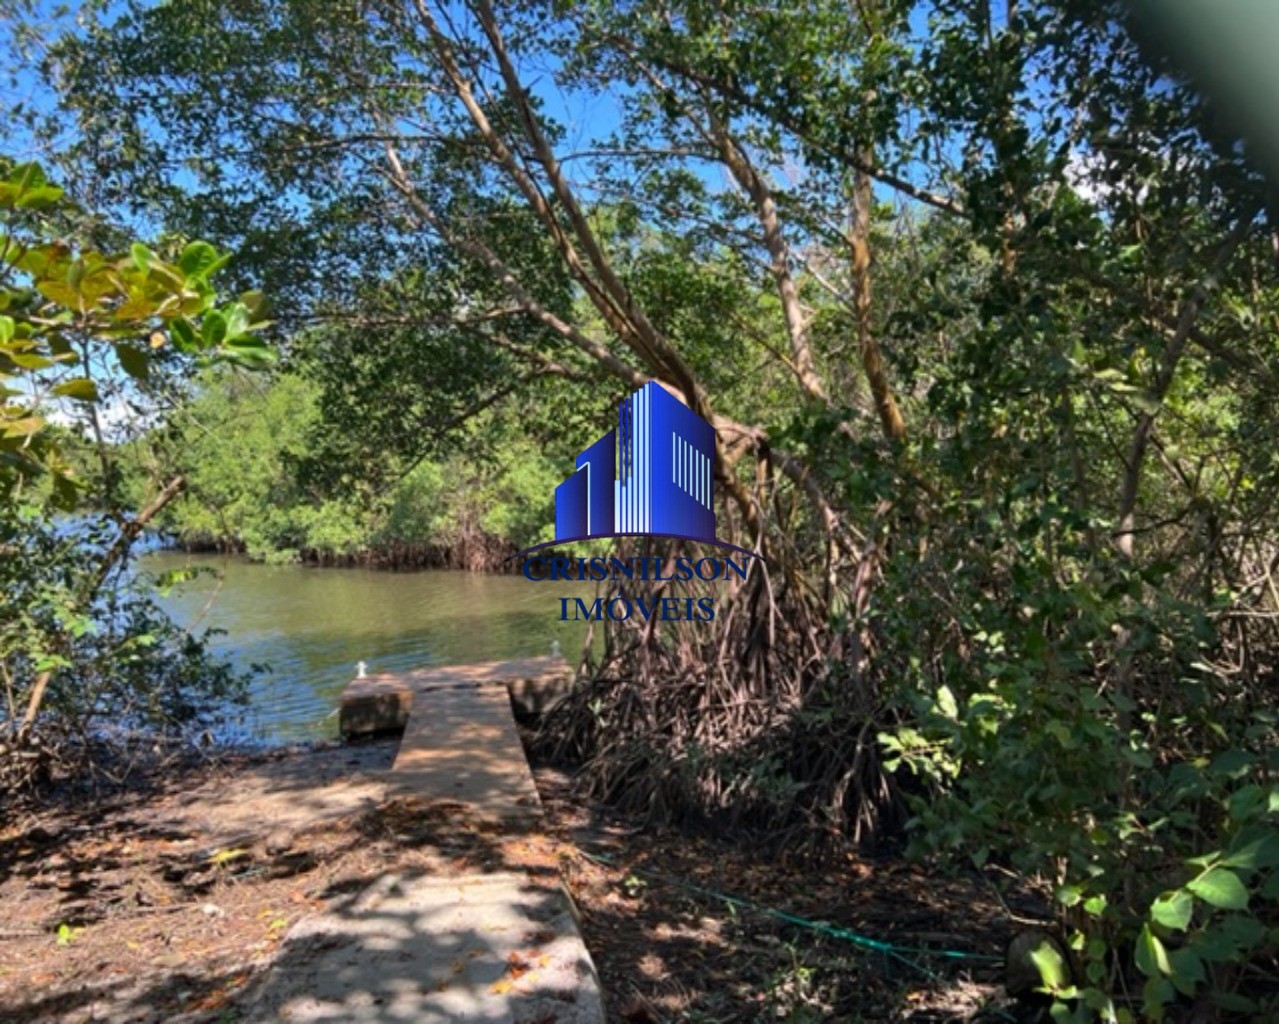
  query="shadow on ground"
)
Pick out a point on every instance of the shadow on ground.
point(420, 910)
point(405, 910)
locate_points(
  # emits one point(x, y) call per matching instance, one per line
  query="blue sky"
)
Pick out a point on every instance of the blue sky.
point(588, 117)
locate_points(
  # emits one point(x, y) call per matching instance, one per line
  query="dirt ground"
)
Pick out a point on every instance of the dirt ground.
point(169, 905)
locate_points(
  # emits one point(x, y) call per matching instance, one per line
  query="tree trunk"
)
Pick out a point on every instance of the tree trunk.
point(890, 417)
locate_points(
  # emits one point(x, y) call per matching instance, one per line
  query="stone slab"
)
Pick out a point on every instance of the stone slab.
point(383, 703)
point(461, 746)
point(374, 705)
point(491, 948)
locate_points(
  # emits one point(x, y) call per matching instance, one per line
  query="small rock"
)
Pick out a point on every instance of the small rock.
point(279, 842)
point(212, 910)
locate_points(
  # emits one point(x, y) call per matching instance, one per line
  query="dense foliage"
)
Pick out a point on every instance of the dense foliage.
point(86, 658)
point(252, 453)
point(982, 303)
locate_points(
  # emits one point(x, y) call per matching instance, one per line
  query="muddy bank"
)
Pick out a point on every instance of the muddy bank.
point(479, 554)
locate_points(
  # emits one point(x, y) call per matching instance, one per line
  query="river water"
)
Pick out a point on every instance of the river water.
point(311, 626)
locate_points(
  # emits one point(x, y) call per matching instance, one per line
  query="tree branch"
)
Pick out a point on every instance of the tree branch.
point(1137, 447)
point(128, 534)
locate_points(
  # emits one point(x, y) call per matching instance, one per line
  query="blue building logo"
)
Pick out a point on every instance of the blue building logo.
point(653, 474)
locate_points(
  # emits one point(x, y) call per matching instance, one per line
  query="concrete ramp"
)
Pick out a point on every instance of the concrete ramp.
point(491, 948)
point(496, 947)
point(382, 702)
point(461, 746)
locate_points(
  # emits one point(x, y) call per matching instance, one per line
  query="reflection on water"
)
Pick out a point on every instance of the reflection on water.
point(311, 626)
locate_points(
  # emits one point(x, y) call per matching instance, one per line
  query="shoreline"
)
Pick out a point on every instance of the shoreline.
point(491, 558)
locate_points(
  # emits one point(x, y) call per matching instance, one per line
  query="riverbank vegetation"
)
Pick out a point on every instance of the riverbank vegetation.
point(981, 301)
point(255, 485)
point(88, 663)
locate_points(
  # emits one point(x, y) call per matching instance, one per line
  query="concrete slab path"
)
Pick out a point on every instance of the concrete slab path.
point(383, 702)
point(492, 948)
point(461, 745)
point(499, 947)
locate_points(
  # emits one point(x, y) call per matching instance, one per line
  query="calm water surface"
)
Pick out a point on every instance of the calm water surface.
point(311, 626)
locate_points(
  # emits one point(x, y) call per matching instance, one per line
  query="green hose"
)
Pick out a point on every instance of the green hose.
point(902, 953)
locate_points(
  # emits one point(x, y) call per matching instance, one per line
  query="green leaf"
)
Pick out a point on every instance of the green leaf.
point(1220, 888)
point(249, 352)
point(1252, 851)
point(1063, 1013)
point(26, 187)
point(946, 703)
point(133, 361)
point(237, 321)
point(142, 256)
point(31, 360)
point(1095, 905)
point(256, 304)
point(81, 389)
point(1231, 764)
point(200, 259)
point(39, 198)
point(184, 337)
point(1243, 930)
point(213, 329)
point(1247, 803)
point(1234, 1002)
point(21, 427)
point(37, 259)
point(46, 661)
point(1150, 955)
point(1154, 995)
point(167, 276)
point(1187, 970)
point(1052, 968)
point(66, 492)
point(28, 174)
point(1173, 910)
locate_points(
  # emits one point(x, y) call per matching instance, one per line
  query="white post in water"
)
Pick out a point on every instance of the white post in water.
point(359, 670)
point(555, 649)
